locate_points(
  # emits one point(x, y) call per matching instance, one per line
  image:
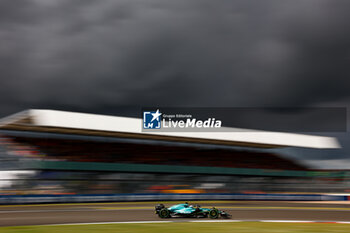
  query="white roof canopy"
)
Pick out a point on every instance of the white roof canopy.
point(102, 125)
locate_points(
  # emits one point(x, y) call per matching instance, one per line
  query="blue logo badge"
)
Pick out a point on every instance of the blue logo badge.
point(152, 120)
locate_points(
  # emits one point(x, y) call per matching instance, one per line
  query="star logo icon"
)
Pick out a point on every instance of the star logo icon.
point(156, 115)
point(152, 119)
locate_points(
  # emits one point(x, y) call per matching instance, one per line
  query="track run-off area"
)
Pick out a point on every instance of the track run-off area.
point(143, 212)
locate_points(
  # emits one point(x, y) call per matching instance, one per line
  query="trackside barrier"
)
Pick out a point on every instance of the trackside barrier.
point(26, 199)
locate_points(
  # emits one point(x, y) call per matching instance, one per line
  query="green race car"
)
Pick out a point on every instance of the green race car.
point(186, 210)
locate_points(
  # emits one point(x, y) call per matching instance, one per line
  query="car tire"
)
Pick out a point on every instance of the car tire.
point(214, 213)
point(164, 213)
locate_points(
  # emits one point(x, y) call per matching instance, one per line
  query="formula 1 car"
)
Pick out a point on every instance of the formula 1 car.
point(186, 210)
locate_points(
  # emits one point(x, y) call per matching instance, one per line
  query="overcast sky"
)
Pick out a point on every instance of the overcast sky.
point(114, 56)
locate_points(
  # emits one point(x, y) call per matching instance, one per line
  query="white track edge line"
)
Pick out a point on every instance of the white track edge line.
point(197, 221)
point(217, 221)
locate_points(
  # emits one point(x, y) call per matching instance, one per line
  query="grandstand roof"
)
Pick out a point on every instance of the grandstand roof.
point(125, 127)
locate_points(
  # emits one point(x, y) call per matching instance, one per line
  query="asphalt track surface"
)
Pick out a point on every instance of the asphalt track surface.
point(17, 215)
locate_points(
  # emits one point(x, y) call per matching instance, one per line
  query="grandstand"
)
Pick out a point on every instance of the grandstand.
point(88, 153)
point(79, 150)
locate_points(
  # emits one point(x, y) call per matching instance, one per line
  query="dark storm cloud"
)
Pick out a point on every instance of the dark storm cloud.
point(105, 56)
point(98, 55)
